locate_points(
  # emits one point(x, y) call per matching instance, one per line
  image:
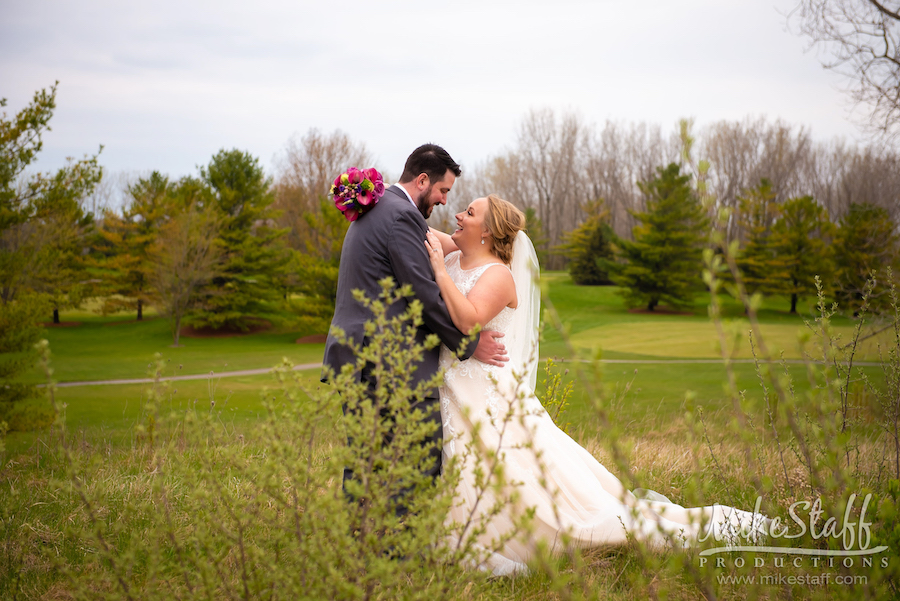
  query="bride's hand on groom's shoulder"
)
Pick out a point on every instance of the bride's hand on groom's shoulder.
point(490, 349)
point(435, 252)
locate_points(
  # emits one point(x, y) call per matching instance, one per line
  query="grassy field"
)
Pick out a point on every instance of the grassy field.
point(597, 322)
point(117, 346)
point(106, 348)
point(651, 383)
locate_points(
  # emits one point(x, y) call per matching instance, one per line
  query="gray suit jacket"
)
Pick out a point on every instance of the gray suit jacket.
point(389, 240)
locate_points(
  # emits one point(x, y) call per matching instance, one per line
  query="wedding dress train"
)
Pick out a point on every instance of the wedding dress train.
point(485, 408)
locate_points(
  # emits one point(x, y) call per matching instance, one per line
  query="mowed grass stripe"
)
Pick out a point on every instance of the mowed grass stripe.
point(674, 338)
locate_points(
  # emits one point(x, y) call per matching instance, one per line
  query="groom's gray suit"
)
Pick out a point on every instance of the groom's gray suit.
point(389, 240)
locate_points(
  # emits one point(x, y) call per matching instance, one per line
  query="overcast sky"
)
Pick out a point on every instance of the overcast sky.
point(164, 85)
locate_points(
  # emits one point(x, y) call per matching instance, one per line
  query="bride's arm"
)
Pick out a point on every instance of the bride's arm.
point(494, 290)
point(447, 243)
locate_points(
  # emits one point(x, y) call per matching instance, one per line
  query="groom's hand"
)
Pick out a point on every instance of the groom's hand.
point(490, 350)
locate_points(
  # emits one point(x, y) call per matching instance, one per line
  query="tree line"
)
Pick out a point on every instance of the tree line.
point(204, 248)
point(623, 205)
point(784, 246)
point(230, 244)
point(224, 248)
point(559, 163)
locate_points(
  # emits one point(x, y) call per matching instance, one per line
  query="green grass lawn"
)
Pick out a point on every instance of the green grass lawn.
point(597, 319)
point(110, 348)
point(117, 347)
point(110, 412)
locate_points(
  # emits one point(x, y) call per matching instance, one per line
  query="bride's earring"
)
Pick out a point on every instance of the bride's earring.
point(482, 240)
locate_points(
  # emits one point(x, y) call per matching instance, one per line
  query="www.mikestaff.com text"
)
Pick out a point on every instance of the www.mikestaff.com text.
point(824, 579)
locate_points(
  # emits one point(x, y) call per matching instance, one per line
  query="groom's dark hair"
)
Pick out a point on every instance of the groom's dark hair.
point(432, 160)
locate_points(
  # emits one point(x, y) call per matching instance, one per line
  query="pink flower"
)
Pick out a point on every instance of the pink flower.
point(372, 174)
point(354, 175)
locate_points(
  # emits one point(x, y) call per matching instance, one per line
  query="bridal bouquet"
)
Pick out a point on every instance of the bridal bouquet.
point(357, 191)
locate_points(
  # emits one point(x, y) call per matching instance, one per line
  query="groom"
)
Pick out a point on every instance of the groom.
point(389, 241)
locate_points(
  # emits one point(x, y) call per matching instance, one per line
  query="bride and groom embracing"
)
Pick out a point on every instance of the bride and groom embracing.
point(484, 275)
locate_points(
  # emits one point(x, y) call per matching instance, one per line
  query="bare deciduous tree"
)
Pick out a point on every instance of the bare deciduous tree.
point(551, 154)
point(838, 175)
point(305, 173)
point(741, 153)
point(864, 37)
point(185, 257)
point(544, 172)
point(618, 157)
point(111, 193)
point(559, 164)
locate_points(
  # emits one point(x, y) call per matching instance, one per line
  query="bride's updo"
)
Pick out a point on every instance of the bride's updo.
point(503, 220)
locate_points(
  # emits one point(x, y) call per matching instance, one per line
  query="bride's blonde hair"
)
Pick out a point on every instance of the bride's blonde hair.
point(503, 220)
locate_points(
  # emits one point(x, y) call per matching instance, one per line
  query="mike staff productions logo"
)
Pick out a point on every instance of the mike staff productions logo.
point(854, 536)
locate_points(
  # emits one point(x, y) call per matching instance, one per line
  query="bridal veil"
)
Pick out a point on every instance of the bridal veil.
point(522, 341)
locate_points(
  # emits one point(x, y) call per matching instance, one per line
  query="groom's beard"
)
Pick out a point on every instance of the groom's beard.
point(422, 202)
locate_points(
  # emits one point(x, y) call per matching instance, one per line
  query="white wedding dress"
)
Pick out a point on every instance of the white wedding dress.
point(568, 489)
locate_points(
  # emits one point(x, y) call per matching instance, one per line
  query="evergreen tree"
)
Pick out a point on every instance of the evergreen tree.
point(254, 258)
point(760, 267)
point(42, 227)
point(866, 242)
point(66, 281)
point(59, 234)
point(801, 239)
point(122, 243)
point(314, 272)
point(589, 247)
point(663, 263)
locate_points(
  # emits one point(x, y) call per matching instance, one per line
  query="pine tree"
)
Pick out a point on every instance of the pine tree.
point(801, 239)
point(589, 247)
point(663, 263)
point(761, 269)
point(314, 273)
point(866, 242)
point(122, 243)
point(65, 283)
point(253, 255)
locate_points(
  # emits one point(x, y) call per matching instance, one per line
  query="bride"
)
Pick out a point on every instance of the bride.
point(486, 272)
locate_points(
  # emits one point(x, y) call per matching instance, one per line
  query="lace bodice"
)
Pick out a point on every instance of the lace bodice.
point(465, 280)
point(481, 375)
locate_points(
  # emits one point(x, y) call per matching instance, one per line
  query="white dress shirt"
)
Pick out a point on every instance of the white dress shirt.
point(405, 191)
